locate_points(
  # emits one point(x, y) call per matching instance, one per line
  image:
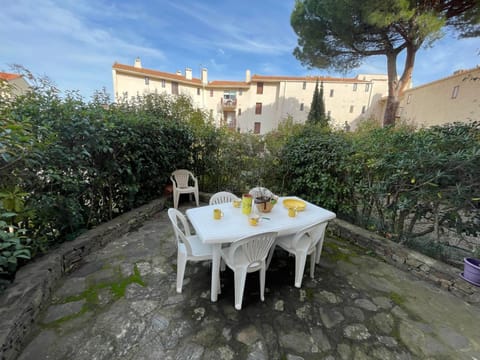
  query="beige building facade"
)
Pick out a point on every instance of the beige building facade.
point(259, 103)
point(12, 84)
point(455, 98)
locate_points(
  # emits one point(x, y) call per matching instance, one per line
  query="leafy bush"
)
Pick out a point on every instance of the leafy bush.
point(316, 166)
point(399, 182)
point(79, 164)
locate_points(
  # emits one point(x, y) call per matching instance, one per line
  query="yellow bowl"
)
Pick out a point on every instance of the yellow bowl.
point(294, 203)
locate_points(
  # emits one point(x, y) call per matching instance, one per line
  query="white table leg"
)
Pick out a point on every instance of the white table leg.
point(215, 285)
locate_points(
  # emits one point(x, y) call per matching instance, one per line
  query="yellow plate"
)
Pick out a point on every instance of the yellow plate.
point(294, 203)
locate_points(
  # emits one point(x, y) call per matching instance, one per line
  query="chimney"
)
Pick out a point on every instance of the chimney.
point(179, 72)
point(188, 73)
point(248, 77)
point(138, 63)
point(204, 76)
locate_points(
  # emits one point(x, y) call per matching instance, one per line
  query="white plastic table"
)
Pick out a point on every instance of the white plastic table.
point(234, 225)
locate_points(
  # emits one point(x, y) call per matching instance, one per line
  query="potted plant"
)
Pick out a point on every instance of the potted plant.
point(264, 199)
point(471, 271)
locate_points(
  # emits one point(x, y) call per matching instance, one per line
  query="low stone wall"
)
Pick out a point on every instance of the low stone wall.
point(21, 303)
point(441, 274)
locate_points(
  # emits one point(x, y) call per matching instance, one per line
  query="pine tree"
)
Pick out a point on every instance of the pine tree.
point(313, 114)
point(317, 109)
point(321, 107)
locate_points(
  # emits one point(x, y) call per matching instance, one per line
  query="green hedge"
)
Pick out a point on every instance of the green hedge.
point(70, 165)
point(405, 184)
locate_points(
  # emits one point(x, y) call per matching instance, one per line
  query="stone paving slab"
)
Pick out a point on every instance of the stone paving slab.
point(122, 304)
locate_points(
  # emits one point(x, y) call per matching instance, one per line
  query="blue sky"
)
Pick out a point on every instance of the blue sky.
point(76, 42)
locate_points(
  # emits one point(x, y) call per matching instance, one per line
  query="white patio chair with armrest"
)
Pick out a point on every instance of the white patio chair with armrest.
point(307, 241)
point(184, 182)
point(248, 255)
point(222, 197)
point(189, 247)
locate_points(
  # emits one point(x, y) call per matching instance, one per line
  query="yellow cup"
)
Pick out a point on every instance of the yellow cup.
point(237, 203)
point(217, 214)
point(253, 220)
point(292, 212)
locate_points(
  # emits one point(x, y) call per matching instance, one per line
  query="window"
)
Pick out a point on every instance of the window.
point(147, 80)
point(367, 87)
point(409, 98)
point(364, 108)
point(329, 113)
point(304, 86)
point(355, 87)
point(239, 111)
point(174, 88)
point(258, 108)
point(198, 91)
point(211, 93)
point(260, 88)
point(331, 93)
point(256, 129)
point(301, 107)
point(163, 83)
point(230, 97)
point(455, 92)
point(240, 92)
point(351, 108)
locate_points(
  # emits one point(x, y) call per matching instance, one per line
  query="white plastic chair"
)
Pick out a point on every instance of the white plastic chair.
point(189, 246)
point(182, 184)
point(307, 241)
point(248, 255)
point(222, 197)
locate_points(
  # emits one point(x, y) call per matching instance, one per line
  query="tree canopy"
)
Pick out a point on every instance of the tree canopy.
point(340, 34)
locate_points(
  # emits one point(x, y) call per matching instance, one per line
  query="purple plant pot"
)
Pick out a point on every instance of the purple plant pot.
point(471, 271)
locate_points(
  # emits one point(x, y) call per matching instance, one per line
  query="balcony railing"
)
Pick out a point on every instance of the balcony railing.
point(228, 103)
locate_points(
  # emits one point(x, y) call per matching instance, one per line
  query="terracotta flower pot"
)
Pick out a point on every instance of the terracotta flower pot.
point(264, 205)
point(471, 271)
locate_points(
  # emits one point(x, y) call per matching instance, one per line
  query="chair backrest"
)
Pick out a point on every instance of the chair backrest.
point(255, 248)
point(182, 177)
point(222, 197)
point(311, 234)
point(179, 222)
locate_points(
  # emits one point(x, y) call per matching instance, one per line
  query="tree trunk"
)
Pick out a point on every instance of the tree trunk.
point(392, 99)
point(397, 88)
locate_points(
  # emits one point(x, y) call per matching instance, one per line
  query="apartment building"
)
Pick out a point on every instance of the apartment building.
point(455, 98)
point(259, 103)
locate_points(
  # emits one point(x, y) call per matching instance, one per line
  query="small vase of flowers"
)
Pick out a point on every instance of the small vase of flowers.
point(264, 199)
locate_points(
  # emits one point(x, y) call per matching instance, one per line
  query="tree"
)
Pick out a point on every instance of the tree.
point(317, 109)
point(340, 34)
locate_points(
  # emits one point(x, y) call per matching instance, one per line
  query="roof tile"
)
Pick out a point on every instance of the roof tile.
point(7, 76)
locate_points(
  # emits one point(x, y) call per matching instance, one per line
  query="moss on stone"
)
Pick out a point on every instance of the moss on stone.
point(334, 252)
point(309, 294)
point(90, 295)
point(119, 287)
point(396, 298)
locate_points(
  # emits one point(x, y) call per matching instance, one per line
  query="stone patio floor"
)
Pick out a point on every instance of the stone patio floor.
point(122, 304)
